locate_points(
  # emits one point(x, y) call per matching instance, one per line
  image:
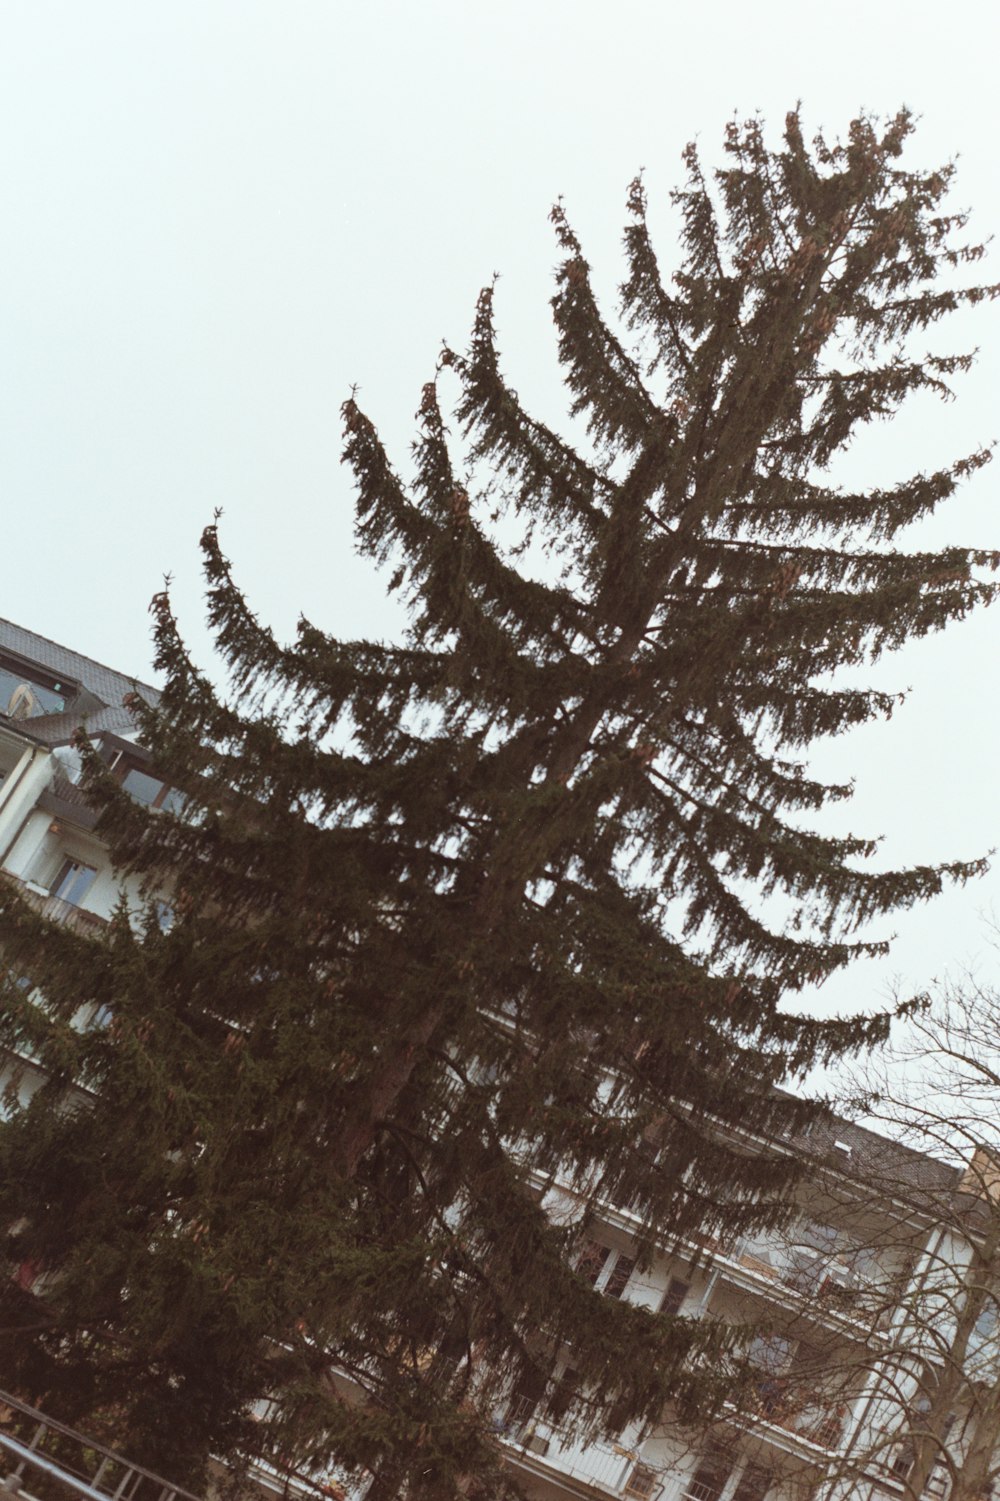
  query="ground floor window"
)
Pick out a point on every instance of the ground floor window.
point(642, 1483)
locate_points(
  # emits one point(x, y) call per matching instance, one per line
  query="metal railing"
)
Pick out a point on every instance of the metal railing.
point(803, 1410)
point(48, 1459)
point(600, 1464)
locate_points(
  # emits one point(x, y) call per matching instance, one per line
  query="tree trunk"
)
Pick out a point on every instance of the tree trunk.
point(928, 1441)
point(974, 1473)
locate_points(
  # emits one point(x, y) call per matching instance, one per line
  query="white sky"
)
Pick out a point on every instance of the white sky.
point(218, 216)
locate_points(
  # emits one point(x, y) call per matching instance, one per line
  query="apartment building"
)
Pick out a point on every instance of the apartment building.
point(858, 1297)
point(48, 846)
point(858, 1301)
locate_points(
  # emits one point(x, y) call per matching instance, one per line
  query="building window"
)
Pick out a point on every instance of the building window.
point(527, 1394)
point(771, 1354)
point(164, 914)
point(984, 1333)
point(73, 882)
point(563, 1392)
point(818, 1237)
point(641, 1483)
point(620, 1273)
point(709, 1479)
point(591, 1260)
point(605, 1269)
point(26, 694)
point(673, 1298)
point(151, 791)
point(901, 1463)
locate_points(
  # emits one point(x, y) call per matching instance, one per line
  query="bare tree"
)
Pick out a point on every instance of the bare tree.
point(884, 1340)
point(937, 1089)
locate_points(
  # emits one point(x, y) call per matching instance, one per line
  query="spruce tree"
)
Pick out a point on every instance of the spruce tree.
point(458, 917)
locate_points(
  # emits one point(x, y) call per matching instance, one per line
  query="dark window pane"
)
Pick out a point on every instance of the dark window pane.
point(674, 1296)
point(620, 1273)
point(709, 1480)
point(23, 698)
point(592, 1259)
point(145, 789)
point(563, 1394)
point(524, 1399)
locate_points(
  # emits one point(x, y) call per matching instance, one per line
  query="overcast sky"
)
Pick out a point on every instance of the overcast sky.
point(217, 217)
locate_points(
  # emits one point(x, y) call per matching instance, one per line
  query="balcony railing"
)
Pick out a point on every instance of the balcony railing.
point(43, 1457)
point(55, 909)
point(829, 1277)
point(805, 1411)
point(67, 791)
point(606, 1466)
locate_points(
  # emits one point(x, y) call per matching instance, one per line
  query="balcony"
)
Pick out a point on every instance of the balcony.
point(829, 1281)
point(67, 802)
point(43, 1457)
point(803, 1410)
point(56, 908)
point(606, 1467)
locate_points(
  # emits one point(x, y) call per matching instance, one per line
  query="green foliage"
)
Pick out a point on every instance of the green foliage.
point(458, 915)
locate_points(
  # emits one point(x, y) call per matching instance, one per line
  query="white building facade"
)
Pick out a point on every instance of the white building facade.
point(48, 846)
point(857, 1300)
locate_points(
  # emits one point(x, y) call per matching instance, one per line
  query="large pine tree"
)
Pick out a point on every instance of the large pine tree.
point(456, 916)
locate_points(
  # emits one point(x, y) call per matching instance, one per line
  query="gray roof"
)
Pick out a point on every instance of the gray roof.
point(59, 729)
point(878, 1160)
point(107, 685)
